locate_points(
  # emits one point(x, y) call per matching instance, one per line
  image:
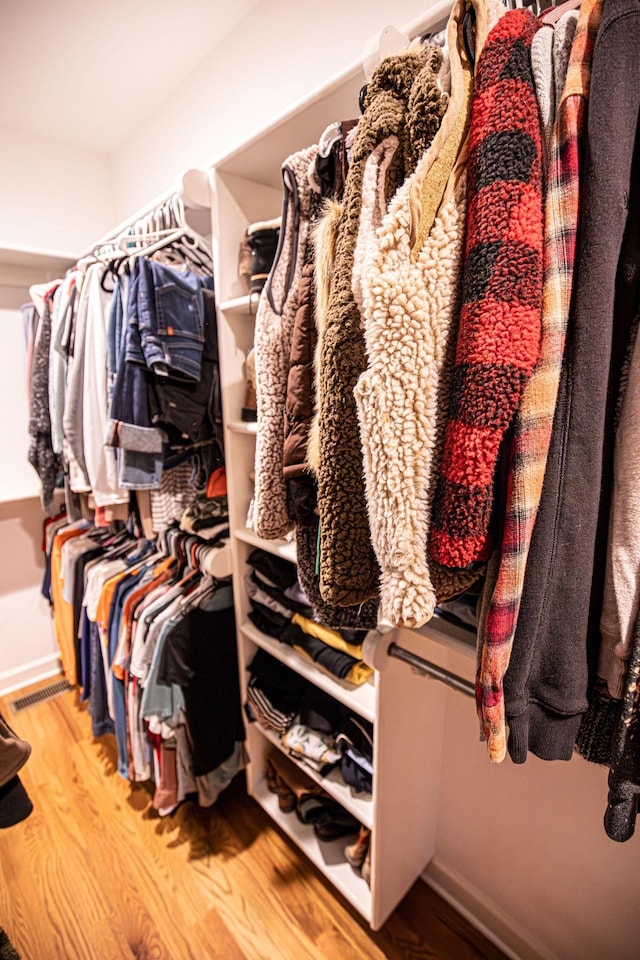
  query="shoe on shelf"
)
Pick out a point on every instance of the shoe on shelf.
point(272, 777)
point(335, 823)
point(262, 240)
point(356, 852)
point(244, 258)
point(286, 796)
point(276, 784)
point(314, 804)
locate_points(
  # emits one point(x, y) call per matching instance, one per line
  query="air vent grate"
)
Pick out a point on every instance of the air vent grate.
point(45, 693)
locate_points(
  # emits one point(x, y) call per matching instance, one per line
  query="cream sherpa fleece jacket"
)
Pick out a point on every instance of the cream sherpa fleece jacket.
point(410, 291)
point(410, 309)
point(274, 329)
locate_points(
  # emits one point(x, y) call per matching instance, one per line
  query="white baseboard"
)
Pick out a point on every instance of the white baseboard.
point(27, 673)
point(505, 932)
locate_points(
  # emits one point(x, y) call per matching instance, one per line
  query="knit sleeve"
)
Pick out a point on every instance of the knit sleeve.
point(499, 335)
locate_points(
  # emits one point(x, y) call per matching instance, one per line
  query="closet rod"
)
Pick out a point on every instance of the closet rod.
point(432, 670)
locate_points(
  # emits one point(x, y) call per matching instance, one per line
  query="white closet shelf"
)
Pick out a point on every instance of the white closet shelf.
point(281, 548)
point(33, 257)
point(328, 856)
point(243, 426)
point(23, 266)
point(243, 305)
point(359, 805)
point(362, 699)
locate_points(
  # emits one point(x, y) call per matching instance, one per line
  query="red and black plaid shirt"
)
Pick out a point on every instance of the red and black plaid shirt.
point(499, 335)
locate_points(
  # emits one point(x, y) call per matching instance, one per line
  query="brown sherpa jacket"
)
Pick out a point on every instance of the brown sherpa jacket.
point(301, 486)
point(348, 569)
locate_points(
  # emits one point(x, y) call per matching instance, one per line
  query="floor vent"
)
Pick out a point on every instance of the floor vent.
point(45, 693)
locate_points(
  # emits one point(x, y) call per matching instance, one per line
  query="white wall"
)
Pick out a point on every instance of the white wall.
point(52, 196)
point(280, 53)
point(17, 477)
point(27, 645)
point(522, 848)
point(28, 649)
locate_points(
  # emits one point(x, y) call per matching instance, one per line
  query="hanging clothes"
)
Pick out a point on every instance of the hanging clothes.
point(557, 635)
point(410, 295)
point(41, 454)
point(499, 334)
point(349, 572)
point(275, 321)
point(501, 605)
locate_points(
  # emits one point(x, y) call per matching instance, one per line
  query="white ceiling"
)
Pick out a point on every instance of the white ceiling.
point(86, 72)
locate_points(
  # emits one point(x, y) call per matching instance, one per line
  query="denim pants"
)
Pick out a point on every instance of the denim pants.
point(170, 313)
point(101, 722)
point(130, 428)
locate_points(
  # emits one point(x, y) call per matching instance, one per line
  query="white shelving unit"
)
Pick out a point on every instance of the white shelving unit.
point(407, 713)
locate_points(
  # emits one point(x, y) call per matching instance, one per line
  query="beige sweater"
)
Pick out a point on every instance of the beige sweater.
point(410, 276)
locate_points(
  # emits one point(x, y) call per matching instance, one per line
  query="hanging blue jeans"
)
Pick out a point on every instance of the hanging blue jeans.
point(170, 320)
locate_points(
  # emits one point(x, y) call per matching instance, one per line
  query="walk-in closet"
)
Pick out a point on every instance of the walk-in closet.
point(320, 567)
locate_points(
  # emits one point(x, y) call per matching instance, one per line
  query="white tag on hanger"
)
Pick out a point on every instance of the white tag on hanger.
point(390, 40)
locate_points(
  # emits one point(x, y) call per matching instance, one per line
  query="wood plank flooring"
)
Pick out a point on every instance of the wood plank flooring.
point(95, 874)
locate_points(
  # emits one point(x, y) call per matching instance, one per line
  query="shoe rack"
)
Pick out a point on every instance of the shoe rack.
point(407, 711)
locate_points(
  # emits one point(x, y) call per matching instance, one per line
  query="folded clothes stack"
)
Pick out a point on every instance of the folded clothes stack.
point(280, 609)
point(274, 693)
point(317, 731)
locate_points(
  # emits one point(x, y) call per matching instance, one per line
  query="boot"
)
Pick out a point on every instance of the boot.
point(262, 239)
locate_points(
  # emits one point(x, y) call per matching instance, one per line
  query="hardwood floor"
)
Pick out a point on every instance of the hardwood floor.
point(95, 874)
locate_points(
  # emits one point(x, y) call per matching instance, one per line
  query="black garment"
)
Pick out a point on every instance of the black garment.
point(624, 775)
point(355, 741)
point(267, 620)
point(200, 656)
point(41, 456)
point(279, 571)
point(193, 408)
point(281, 597)
point(557, 638)
point(278, 626)
point(321, 712)
point(78, 594)
point(15, 803)
point(283, 686)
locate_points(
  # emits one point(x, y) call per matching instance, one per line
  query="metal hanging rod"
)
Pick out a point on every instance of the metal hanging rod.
point(432, 670)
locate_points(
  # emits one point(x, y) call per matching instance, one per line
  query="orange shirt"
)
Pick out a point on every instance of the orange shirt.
point(62, 610)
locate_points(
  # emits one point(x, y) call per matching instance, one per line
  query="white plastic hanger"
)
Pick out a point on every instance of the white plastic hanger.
point(388, 41)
